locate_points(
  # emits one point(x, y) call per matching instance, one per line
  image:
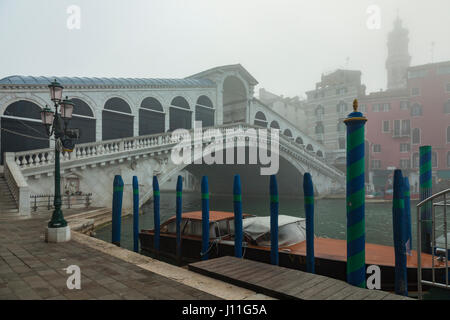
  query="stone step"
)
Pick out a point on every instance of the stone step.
point(7, 202)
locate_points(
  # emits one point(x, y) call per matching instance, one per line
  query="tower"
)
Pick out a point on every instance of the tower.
point(398, 59)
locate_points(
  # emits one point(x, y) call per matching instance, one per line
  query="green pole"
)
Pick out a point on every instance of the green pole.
point(57, 220)
point(425, 192)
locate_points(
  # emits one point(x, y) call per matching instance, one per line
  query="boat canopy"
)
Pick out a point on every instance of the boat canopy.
point(291, 230)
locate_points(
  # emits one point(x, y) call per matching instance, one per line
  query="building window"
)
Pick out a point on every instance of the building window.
point(448, 159)
point(415, 92)
point(416, 136)
point(405, 163)
point(416, 160)
point(402, 128)
point(448, 87)
point(447, 107)
point(434, 161)
point(448, 134)
point(376, 164)
point(386, 107)
point(341, 142)
point(320, 111)
point(341, 91)
point(363, 108)
point(376, 148)
point(404, 147)
point(406, 128)
point(341, 107)
point(404, 105)
point(386, 125)
point(375, 108)
point(416, 110)
point(319, 128)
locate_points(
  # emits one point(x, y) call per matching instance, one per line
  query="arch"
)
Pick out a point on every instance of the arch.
point(319, 111)
point(299, 140)
point(204, 111)
point(320, 153)
point(260, 119)
point(117, 119)
point(151, 117)
point(22, 128)
point(275, 125)
point(83, 118)
point(180, 116)
point(235, 100)
point(309, 147)
point(288, 133)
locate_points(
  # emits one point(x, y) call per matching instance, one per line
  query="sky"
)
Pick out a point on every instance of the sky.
point(285, 44)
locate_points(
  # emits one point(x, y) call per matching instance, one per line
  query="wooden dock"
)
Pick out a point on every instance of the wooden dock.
point(284, 283)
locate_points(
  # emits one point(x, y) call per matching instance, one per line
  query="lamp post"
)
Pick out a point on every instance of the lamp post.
point(56, 125)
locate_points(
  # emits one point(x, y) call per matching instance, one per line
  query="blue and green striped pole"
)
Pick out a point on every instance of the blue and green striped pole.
point(117, 209)
point(425, 192)
point(205, 218)
point(407, 216)
point(237, 205)
point(308, 191)
point(273, 220)
point(156, 213)
point(135, 214)
point(356, 236)
point(399, 228)
point(179, 209)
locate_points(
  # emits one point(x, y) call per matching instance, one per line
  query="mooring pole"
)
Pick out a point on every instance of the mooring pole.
point(156, 219)
point(237, 204)
point(135, 214)
point(273, 220)
point(356, 237)
point(308, 191)
point(117, 209)
point(407, 215)
point(425, 192)
point(399, 228)
point(178, 216)
point(205, 218)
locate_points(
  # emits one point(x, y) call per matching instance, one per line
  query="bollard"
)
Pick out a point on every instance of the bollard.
point(237, 204)
point(273, 220)
point(117, 209)
point(178, 216)
point(356, 243)
point(425, 192)
point(399, 228)
point(407, 215)
point(205, 218)
point(308, 191)
point(156, 219)
point(135, 214)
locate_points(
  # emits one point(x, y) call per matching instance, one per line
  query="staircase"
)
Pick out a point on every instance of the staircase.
point(7, 203)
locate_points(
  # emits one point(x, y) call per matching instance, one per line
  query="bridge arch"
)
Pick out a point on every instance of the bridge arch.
point(83, 118)
point(117, 119)
point(235, 99)
point(275, 125)
point(260, 119)
point(180, 114)
point(309, 147)
point(299, 140)
point(319, 153)
point(288, 133)
point(204, 111)
point(151, 116)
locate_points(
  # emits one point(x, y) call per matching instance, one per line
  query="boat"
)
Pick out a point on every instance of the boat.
point(330, 254)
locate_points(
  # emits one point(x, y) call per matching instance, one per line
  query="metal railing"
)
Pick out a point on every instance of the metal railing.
point(443, 252)
point(68, 201)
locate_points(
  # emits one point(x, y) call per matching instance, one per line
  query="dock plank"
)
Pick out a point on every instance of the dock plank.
point(284, 283)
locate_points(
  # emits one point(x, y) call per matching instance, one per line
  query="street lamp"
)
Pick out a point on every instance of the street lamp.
point(56, 124)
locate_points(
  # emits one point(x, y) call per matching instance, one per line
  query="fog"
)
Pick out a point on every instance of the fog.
point(285, 44)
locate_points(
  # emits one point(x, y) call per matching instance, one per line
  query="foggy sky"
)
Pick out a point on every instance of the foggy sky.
point(284, 44)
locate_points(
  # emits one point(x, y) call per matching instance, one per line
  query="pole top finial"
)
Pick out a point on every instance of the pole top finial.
point(355, 105)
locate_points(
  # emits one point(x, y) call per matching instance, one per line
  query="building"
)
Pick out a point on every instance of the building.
point(327, 105)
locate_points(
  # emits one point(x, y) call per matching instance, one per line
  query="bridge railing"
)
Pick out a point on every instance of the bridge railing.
point(17, 184)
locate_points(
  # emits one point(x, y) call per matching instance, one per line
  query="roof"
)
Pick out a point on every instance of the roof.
point(247, 76)
point(213, 215)
point(94, 81)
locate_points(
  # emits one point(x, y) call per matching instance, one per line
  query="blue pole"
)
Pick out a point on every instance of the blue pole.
point(205, 218)
point(237, 202)
point(398, 210)
point(178, 216)
point(407, 200)
point(156, 219)
point(308, 191)
point(117, 209)
point(135, 214)
point(273, 220)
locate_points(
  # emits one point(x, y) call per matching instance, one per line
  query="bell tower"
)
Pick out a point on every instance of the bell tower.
point(398, 59)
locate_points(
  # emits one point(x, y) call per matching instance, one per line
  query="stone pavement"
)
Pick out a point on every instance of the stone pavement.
point(33, 269)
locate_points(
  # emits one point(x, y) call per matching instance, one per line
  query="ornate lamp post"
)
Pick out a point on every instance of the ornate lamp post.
point(56, 124)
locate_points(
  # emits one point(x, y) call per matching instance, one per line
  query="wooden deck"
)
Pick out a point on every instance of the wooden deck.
point(284, 283)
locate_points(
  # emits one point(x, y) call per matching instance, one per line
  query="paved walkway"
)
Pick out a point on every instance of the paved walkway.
point(33, 269)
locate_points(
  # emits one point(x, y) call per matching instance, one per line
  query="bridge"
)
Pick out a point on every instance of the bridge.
point(127, 127)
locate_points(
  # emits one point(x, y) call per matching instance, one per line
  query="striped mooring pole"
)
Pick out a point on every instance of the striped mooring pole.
point(135, 214)
point(179, 206)
point(156, 218)
point(273, 220)
point(308, 192)
point(356, 242)
point(237, 205)
point(117, 209)
point(425, 182)
point(205, 218)
point(399, 228)
point(407, 216)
